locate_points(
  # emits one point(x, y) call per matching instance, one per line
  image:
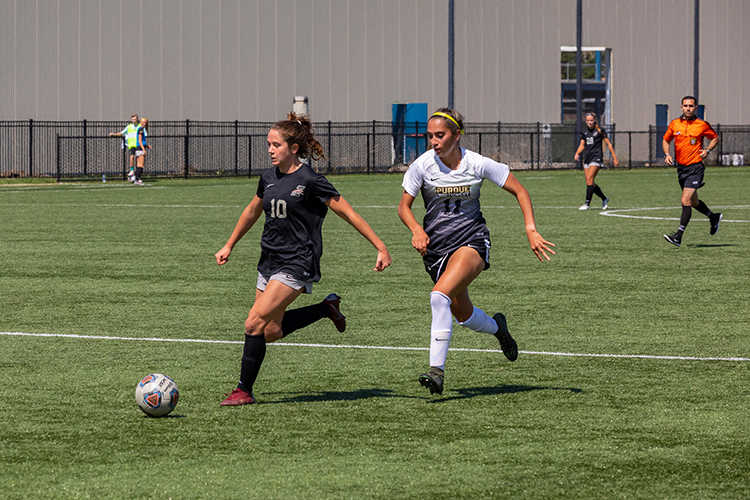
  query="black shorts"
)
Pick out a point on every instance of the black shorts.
point(132, 151)
point(436, 264)
point(691, 176)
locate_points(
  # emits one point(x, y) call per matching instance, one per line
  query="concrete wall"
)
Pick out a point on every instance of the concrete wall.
point(247, 59)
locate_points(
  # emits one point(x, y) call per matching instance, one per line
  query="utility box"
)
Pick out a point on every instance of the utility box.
point(409, 126)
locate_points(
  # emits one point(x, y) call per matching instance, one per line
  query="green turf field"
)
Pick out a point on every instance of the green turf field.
point(633, 379)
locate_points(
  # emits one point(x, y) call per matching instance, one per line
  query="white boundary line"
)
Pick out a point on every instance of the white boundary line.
point(615, 212)
point(329, 346)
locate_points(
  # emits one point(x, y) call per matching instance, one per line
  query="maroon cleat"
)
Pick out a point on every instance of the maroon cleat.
point(238, 397)
point(333, 302)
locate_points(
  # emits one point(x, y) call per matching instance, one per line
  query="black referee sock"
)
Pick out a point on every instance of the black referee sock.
point(703, 208)
point(138, 173)
point(252, 357)
point(598, 191)
point(589, 193)
point(302, 317)
point(687, 211)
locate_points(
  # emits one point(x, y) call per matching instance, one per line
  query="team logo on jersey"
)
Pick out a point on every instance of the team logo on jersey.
point(300, 191)
point(453, 191)
point(678, 133)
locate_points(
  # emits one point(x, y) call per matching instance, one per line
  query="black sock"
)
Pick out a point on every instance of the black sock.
point(598, 191)
point(252, 357)
point(138, 173)
point(703, 208)
point(687, 211)
point(589, 193)
point(302, 317)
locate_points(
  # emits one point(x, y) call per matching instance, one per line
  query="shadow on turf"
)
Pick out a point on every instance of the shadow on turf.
point(472, 392)
point(337, 396)
point(710, 246)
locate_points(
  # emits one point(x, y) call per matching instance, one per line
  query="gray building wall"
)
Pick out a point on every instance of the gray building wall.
point(247, 59)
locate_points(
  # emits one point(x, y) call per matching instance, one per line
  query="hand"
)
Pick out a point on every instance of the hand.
point(384, 260)
point(539, 245)
point(704, 153)
point(668, 159)
point(222, 256)
point(419, 241)
point(617, 162)
point(576, 157)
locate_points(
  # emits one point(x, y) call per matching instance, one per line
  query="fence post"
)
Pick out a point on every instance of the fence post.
point(480, 143)
point(329, 146)
point(249, 156)
point(57, 155)
point(85, 156)
point(373, 143)
point(236, 148)
point(31, 147)
point(630, 150)
point(187, 147)
point(538, 152)
point(531, 148)
point(721, 142)
point(368, 153)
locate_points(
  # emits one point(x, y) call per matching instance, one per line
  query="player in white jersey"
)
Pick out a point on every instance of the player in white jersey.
point(454, 240)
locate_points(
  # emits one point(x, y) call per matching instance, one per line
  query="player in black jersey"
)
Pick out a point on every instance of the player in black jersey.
point(295, 200)
point(593, 158)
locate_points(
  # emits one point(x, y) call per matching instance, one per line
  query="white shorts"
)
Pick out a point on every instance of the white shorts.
point(592, 164)
point(287, 279)
point(138, 152)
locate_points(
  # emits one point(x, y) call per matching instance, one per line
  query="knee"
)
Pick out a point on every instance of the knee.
point(254, 324)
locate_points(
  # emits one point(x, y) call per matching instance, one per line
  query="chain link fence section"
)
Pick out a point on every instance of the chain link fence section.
point(83, 149)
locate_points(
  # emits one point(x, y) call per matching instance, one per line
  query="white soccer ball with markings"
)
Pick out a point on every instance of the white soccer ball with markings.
point(156, 394)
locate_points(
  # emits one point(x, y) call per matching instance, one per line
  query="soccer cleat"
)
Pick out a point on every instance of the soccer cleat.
point(507, 344)
point(238, 397)
point(137, 182)
point(433, 380)
point(333, 302)
point(605, 203)
point(715, 219)
point(673, 239)
point(585, 206)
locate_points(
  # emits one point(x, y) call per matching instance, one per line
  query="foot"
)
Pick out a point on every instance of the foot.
point(715, 219)
point(585, 206)
point(238, 397)
point(333, 302)
point(605, 203)
point(673, 239)
point(138, 182)
point(433, 380)
point(507, 344)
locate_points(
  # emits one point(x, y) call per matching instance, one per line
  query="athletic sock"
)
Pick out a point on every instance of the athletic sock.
point(138, 173)
point(252, 357)
point(589, 194)
point(703, 208)
point(687, 211)
point(441, 330)
point(480, 321)
point(598, 191)
point(302, 317)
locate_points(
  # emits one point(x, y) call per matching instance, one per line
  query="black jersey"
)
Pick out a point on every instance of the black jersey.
point(295, 208)
point(592, 152)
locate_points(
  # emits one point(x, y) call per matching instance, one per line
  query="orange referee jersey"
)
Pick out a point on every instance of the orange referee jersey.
point(688, 139)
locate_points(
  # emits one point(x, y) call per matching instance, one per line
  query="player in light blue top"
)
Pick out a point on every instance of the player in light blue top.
point(454, 240)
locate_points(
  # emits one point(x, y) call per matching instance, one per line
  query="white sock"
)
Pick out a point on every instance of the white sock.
point(442, 328)
point(480, 321)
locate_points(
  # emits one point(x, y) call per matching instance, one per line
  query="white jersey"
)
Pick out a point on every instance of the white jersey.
point(451, 197)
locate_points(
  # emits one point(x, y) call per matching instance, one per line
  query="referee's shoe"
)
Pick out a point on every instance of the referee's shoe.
point(715, 218)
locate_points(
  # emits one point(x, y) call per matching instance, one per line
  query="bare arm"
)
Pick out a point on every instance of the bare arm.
point(612, 150)
point(249, 217)
point(579, 150)
point(539, 245)
point(419, 239)
point(711, 145)
point(343, 209)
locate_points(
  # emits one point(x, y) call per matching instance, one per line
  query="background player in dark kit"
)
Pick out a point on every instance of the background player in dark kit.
point(593, 158)
point(688, 132)
point(454, 240)
point(295, 200)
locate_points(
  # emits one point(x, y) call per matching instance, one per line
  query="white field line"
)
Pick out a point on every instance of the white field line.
point(616, 213)
point(392, 348)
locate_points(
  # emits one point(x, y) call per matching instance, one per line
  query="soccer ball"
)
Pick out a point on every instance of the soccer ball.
point(156, 395)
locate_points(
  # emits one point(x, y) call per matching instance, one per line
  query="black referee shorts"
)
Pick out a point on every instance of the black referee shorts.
point(691, 176)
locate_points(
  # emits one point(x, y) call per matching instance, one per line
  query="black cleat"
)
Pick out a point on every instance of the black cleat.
point(433, 380)
point(507, 344)
point(715, 219)
point(333, 302)
point(674, 239)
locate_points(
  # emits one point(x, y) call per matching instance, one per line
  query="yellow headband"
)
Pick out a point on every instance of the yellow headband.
point(446, 115)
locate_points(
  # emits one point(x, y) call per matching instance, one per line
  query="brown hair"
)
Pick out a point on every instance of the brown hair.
point(297, 129)
point(449, 123)
point(596, 123)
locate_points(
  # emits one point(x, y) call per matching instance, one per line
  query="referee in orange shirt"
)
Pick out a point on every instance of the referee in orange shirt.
point(688, 132)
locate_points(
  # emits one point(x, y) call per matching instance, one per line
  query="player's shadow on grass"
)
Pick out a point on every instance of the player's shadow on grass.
point(311, 397)
point(710, 246)
point(472, 392)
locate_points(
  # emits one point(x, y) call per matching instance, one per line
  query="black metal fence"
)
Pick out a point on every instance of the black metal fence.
point(84, 150)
